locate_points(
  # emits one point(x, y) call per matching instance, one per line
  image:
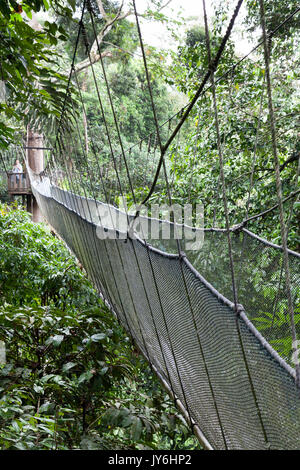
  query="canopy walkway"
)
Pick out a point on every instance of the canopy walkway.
point(194, 314)
point(238, 392)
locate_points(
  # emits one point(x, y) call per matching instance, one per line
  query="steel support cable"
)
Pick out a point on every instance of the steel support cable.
point(91, 14)
point(59, 146)
point(70, 223)
point(220, 153)
point(230, 251)
point(251, 183)
point(96, 280)
point(72, 183)
point(279, 193)
point(233, 147)
point(90, 264)
point(170, 203)
point(216, 166)
point(82, 185)
point(287, 231)
point(217, 185)
point(213, 66)
point(71, 70)
point(194, 157)
point(154, 115)
point(110, 98)
point(193, 101)
point(151, 149)
point(178, 113)
point(263, 213)
point(147, 162)
point(181, 255)
point(106, 289)
point(103, 117)
point(231, 69)
point(129, 290)
point(102, 181)
point(148, 78)
point(120, 257)
point(149, 304)
point(108, 135)
point(137, 258)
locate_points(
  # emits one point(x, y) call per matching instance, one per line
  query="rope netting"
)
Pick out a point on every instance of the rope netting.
point(217, 322)
point(240, 398)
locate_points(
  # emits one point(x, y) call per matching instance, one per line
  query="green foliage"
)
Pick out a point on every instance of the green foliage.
point(244, 127)
point(27, 56)
point(71, 378)
point(135, 115)
point(34, 267)
point(190, 61)
point(122, 35)
point(90, 152)
point(276, 12)
point(3, 187)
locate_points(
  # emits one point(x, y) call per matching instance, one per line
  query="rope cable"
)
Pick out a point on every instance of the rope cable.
point(145, 346)
point(230, 250)
point(279, 191)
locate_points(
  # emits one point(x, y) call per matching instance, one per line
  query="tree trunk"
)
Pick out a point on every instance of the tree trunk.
point(35, 158)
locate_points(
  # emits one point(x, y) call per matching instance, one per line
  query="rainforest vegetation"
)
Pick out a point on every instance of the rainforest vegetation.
point(70, 376)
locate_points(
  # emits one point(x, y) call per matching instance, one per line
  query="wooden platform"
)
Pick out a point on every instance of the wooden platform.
point(18, 183)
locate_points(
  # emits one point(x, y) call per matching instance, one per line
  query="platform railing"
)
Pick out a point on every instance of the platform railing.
point(18, 183)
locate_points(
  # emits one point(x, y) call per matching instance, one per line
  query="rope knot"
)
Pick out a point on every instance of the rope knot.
point(239, 309)
point(237, 227)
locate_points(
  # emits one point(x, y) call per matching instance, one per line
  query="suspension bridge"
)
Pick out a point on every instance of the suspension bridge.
point(191, 313)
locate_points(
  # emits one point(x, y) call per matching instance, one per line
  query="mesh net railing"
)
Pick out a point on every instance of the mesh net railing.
point(236, 388)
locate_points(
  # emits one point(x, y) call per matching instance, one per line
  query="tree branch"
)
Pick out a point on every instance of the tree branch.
point(101, 9)
point(94, 53)
point(293, 158)
point(262, 214)
point(87, 62)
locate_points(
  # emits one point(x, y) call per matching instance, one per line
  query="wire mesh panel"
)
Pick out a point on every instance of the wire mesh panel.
point(260, 281)
point(232, 383)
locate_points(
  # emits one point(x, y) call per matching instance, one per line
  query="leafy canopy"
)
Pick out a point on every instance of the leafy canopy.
point(32, 88)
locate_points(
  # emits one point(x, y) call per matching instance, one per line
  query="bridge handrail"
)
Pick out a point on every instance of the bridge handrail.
point(18, 181)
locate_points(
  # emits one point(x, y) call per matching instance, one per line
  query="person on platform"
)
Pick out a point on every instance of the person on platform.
point(17, 168)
